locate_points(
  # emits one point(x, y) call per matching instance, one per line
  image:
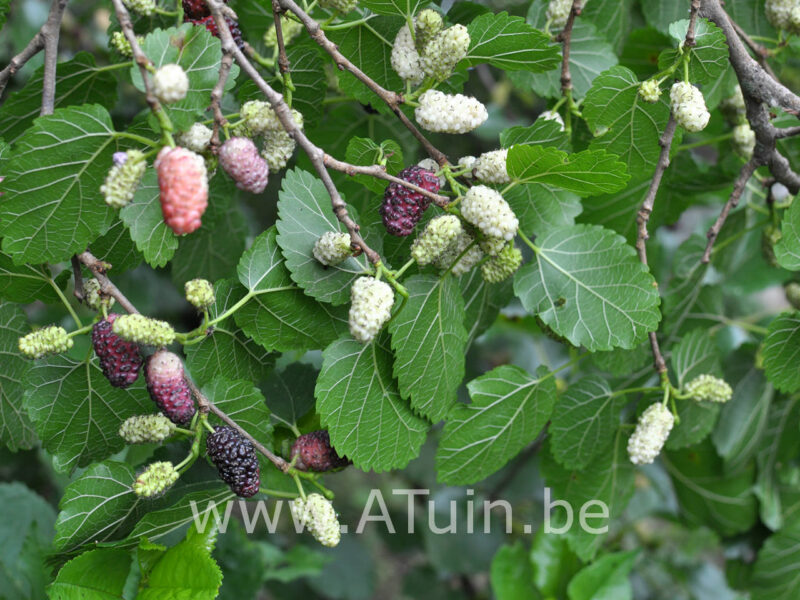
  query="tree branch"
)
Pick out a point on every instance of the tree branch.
point(738, 189)
point(392, 99)
point(99, 269)
point(284, 114)
point(45, 39)
point(216, 96)
point(566, 38)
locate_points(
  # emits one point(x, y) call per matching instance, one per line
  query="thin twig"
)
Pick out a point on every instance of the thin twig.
point(38, 42)
point(392, 99)
point(107, 287)
point(207, 405)
point(284, 114)
point(51, 31)
point(787, 132)
point(78, 275)
point(216, 96)
point(760, 51)
point(283, 60)
point(566, 38)
point(738, 189)
point(379, 172)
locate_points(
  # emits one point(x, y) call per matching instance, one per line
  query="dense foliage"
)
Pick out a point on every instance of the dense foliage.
point(536, 254)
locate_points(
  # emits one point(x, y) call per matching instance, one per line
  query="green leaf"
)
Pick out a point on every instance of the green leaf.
point(608, 478)
point(199, 53)
point(543, 132)
point(304, 214)
point(662, 13)
point(590, 55)
point(95, 505)
point(586, 173)
point(787, 250)
point(77, 413)
point(4, 6)
point(709, 58)
point(242, 402)
point(780, 350)
point(16, 430)
point(145, 221)
point(94, 575)
point(553, 562)
point(78, 81)
point(511, 574)
point(365, 152)
point(709, 496)
point(52, 207)
point(369, 47)
point(584, 422)
point(567, 286)
point(604, 579)
point(696, 354)
point(482, 302)
point(612, 18)
point(117, 248)
point(401, 8)
point(358, 401)
point(626, 125)
point(27, 531)
point(227, 351)
point(156, 524)
point(308, 78)
point(509, 408)
point(540, 207)
point(212, 251)
point(743, 420)
point(781, 445)
point(290, 393)
point(775, 571)
point(429, 341)
point(185, 571)
point(279, 316)
point(510, 44)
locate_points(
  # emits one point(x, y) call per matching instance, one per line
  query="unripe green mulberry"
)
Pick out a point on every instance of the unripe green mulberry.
point(146, 429)
point(650, 91)
point(444, 51)
point(427, 25)
point(492, 246)
point(502, 266)
point(143, 7)
point(469, 260)
point(319, 516)
point(709, 388)
point(258, 117)
point(792, 290)
point(199, 293)
point(123, 178)
point(121, 44)
point(343, 6)
point(155, 479)
point(332, 248)
point(439, 234)
point(290, 29)
point(144, 330)
point(47, 340)
point(94, 298)
point(650, 435)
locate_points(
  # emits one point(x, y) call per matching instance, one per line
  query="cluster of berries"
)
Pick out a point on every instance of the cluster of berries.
point(260, 120)
point(196, 12)
point(784, 15)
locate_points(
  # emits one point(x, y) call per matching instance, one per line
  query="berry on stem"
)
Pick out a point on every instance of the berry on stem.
point(317, 514)
point(143, 330)
point(183, 182)
point(332, 248)
point(488, 211)
point(167, 385)
point(155, 479)
point(439, 234)
point(123, 178)
point(651, 434)
point(170, 83)
point(199, 293)
point(313, 452)
point(405, 58)
point(443, 113)
point(239, 157)
point(235, 459)
point(689, 106)
point(709, 388)
point(402, 207)
point(47, 340)
point(120, 360)
point(146, 429)
point(370, 307)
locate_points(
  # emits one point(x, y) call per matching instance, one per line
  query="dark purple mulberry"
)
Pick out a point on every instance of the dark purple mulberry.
point(209, 23)
point(119, 360)
point(163, 372)
point(402, 207)
point(313, 452)
point(235, 459)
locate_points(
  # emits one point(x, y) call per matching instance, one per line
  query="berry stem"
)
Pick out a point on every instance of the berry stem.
point(277, 493)
point(66, 303)
point(136, 138)
point(380, 269)
point(299, 485)
point(404, 268)
point(81, 331)
point(706, 142)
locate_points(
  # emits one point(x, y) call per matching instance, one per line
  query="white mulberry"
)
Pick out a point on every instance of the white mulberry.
point(343, 6)
point(142, 7)
point(469, 260)
point(443, 113)
point(558, 12)
point(332, 247)
point(427, 24)
point(491, 167)
point(319, 516)
point(689, 106)
point(650, 91)
point(650, 435)
point(196, 138)
point(744, 139)
point(441, 55)
point(199, 293)
point(370, 307)
point(709, 388)
point(146, 429)
point(170, 83)
point(405, 58)
point(439, 234)
point(488, 211)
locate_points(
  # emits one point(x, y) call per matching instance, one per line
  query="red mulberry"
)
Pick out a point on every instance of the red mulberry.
point(168, 388)
point(120, 361)
point(402, 207)
point(313, 452)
